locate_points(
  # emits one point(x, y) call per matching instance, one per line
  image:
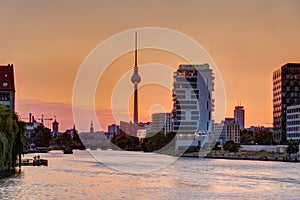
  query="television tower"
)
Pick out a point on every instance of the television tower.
point(135, 79)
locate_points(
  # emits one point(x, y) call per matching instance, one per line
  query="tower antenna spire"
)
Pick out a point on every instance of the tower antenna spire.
point(135, 59)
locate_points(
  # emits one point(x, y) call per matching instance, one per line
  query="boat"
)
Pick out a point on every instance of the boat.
point(68, 151)
point(38, 150)
point(35, 161)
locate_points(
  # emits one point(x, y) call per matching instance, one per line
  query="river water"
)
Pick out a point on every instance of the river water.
point(123, 175)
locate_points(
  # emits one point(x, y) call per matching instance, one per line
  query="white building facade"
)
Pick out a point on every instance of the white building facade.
point(192, 104)
point(162, 122)
point(293, 123)
point(229, 129)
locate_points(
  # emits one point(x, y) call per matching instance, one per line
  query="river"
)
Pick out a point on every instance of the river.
point(123, 175)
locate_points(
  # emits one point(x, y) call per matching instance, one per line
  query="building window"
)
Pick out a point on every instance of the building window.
point(5, 84)
point(5, 75)
point(4, 97)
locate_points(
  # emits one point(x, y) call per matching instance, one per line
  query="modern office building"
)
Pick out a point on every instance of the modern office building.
point(7, 86)
point(162, 122)
point(293, 123)
point(192, 104)
point(286, 92)
point(239, 116)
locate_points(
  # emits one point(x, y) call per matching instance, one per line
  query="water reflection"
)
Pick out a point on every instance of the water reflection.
point(79, 176)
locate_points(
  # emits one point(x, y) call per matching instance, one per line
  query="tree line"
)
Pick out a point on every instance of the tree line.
point(12, 138)
point(42, 137)
point(149, 144)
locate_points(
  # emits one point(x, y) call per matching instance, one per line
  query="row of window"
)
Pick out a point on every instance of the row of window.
point(185, 123)
point(293, 129)
point(178, 85)
point(293, 117)
point(292, 135)
point(293, 110)
point(191, 107)
point(187, 72)
point(4, 84)
point(4, 97)
point(188, 102)
point(186, 128)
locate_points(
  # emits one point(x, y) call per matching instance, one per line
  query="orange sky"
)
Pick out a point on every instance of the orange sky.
point(48, 40)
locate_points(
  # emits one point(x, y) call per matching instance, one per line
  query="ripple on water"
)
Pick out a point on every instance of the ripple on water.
point(80, 176)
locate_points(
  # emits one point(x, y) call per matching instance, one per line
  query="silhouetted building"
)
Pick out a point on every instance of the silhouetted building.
point(92, 127)
point(55, 124)
point(239, 116)
point(286, 92)
point(72, 131)
point(7, 86)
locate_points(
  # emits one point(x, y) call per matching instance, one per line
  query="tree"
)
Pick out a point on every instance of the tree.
point(41, 136)
point(11, 137)
point(231, 146)
point(157, 141)
point(246, 137)
point(216, 146)
point(77, 141)
point(293, 147)
point(264, 137)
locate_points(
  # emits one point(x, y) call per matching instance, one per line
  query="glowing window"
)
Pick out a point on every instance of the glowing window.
point(5, 84)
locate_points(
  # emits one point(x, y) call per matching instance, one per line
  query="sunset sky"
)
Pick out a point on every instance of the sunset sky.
point(47, 41)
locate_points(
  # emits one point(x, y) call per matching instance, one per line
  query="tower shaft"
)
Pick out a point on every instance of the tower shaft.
point(136, 109)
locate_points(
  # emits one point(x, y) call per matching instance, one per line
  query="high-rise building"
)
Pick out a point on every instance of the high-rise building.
point(135, 79)
point(161, 122)
point(286, 92)
point(7, 86)
point(193, 104)
point(239, 116)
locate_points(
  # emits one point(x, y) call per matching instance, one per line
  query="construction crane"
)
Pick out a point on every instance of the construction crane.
point(42, 119)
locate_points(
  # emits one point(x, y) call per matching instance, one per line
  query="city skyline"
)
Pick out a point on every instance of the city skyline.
point(47, 51)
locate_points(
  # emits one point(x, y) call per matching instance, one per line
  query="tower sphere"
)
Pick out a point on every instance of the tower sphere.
point(135, 79)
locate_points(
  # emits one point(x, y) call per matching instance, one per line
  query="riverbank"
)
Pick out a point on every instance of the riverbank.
point(8, 173)
point(247, 155)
